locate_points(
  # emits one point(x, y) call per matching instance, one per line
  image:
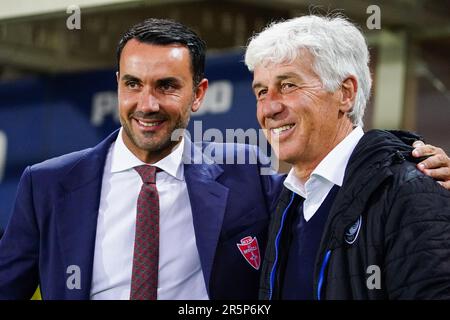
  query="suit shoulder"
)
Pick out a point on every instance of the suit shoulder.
point(60, 163)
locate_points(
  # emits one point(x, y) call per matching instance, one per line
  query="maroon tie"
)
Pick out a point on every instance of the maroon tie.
point(144, 279)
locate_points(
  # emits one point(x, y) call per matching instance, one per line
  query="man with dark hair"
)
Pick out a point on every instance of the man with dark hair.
point(137, 217)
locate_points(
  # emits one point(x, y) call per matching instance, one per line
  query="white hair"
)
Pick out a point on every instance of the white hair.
point(338, 47)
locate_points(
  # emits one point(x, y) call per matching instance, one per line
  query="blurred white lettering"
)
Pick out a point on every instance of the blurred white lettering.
point(104, 104)
point(218, 98)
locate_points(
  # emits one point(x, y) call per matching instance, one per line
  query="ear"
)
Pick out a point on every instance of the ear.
point(117, 76)
point(348, 88)
point(200, 92)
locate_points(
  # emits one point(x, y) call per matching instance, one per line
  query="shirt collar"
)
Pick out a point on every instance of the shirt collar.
point(123, 159)
point(331, 169)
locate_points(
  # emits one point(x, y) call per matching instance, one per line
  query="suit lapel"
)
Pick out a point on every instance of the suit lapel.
point(208, 203)
point(76, 214)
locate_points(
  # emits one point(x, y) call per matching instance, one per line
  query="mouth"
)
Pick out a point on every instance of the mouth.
point(282, 130)
point(149, 125)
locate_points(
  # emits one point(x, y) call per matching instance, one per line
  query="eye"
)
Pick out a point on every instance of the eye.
point(131, 84)
point(287, 87)
point(260, 93)
point(168, 85)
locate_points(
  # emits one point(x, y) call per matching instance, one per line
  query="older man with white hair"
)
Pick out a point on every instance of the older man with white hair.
point(356, 219)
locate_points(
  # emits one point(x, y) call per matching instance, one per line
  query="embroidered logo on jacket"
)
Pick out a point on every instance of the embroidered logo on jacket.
point(250, 250)
point(352, 233)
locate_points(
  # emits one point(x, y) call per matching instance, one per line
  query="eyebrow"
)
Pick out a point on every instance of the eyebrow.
point(128, 77)
point(287, 76)
point(169, 80)
point(257, 85)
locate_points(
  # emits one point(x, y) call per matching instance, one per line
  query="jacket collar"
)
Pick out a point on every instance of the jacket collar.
point(208, 202)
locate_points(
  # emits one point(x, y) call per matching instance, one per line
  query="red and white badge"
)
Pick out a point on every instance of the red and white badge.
point(250, 250)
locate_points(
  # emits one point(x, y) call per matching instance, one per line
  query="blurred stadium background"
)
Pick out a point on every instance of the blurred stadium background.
point(57, 85)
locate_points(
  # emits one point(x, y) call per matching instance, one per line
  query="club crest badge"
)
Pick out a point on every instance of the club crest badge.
point(353, 231)
point(250, 250)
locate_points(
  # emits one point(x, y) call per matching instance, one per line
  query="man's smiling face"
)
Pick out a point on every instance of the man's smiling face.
point(298, 115)
point(156, 95)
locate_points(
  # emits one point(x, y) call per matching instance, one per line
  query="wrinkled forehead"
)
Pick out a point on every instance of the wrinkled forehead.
point(297, 66)
point(285, 57)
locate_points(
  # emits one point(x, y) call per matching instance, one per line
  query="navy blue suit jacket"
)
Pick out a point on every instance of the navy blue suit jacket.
point(54, 221)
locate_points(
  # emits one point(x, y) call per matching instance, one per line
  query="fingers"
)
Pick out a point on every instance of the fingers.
point(422, 150)
point(435, 161)
point(445, 184)
point(418, 143)
point(437, 166)
point(442, 174)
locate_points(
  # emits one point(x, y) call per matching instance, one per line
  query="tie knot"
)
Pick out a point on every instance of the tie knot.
point(147, 173)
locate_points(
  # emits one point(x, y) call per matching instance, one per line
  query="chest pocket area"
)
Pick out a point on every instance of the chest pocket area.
point(252, 224)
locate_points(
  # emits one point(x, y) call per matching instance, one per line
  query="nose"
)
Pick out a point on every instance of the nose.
point(148, 103)
point(271, 105)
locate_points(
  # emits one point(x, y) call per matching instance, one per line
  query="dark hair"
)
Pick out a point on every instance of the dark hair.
point(164, 32)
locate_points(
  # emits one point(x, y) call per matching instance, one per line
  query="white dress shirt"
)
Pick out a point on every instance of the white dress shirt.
point(328, 173)
point(180, 275)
